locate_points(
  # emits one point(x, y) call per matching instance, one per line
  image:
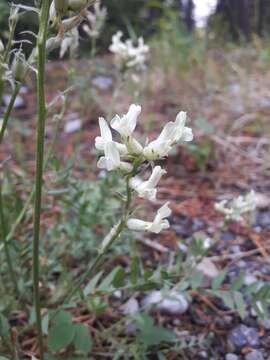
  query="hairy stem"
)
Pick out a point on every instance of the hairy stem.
point(6, 247)
point(8, 110)
point(41, 46)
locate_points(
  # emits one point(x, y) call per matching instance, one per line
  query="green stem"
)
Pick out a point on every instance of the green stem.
point(8, 110)
point(28, 201)
point(116, 232)
point(6, 248)
point(41, 46)
point(90, 271)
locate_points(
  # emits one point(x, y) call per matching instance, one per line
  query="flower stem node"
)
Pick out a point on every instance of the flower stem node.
point(77, 5)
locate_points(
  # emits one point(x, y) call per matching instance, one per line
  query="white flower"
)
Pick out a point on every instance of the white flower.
point(125, 126)
point(127, 54)
point(70, 42)
point(172, 133)
point(111, 160)
point(237, 207)
point(96, 21)
point(106, 136)
point(159, 223)
point(2, 48)
point(147, 189)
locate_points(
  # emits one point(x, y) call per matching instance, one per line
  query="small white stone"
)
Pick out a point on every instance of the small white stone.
point(18, 104)
point(72, 126)
point(208, 268)
point(130, 307)
point(250, 279)
point(173, 303)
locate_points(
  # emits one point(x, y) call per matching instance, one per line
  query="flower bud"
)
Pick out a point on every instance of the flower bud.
point(77, 5)
point(61, 6)
point(19, 67)
point(14, 15)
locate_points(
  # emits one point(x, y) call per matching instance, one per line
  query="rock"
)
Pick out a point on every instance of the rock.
point(197, 225)
point(254, 355)
point(173, 303)
point(130, 307)
point(19, 102)
point(102, 82)
point(265, 324)
point(73, 126)
point(235, 249)
point(242, 336)
point(23, 90)
point(250, 279)
point(263, 219)
point(227, 236)
point(262, 201)
point(208, 268)
point(231, 357)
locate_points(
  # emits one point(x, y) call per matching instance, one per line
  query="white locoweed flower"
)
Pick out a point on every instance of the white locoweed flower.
point(172, 133)
point(96, 21)
point(235, 209)
point(127, 54)
point(111, 160)
point(159, 223)
point(126, 125)
point(2, 48)
point(147, 189)
point(70, 42)
point(106, 136)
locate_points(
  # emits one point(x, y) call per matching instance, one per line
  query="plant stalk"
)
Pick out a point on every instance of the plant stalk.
point(119, 228)
point(6, 247)
point(9, 109)
point(41, 46)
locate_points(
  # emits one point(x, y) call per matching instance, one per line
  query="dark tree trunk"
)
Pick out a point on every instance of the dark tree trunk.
point(186, 8)
point(237, 14)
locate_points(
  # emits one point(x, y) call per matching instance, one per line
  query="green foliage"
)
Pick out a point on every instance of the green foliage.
point(148, 334)
point(65, 333)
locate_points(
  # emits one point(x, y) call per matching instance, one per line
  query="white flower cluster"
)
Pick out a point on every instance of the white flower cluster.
point(96, 21)
point(127, 54)
point(235, 209)
point(129, 155)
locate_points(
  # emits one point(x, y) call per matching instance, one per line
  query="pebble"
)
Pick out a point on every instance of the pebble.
point(19, 102)
point(254, 355)
point(263, 219)
point(242, 336)
point(208, 268)
point(250, 279)
point(102, 82)
point(73, 126)
point(173, 303)
point(130, 307)
point(265, 324)
point(231, 357)
point(227, 236)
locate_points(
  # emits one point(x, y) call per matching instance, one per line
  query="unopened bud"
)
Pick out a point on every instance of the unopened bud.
point(61, 6)
point(77, 5)
point(19, 67)
point(14, 14)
